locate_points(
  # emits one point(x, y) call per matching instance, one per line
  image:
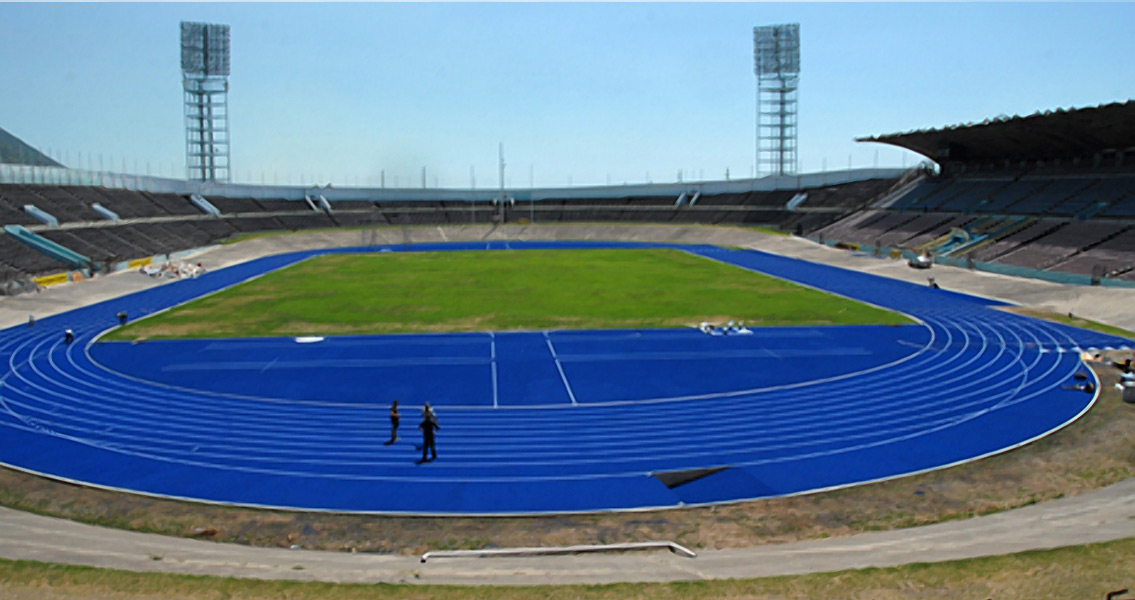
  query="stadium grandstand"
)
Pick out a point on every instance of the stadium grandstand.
point(61, 223)
point(1049, 196)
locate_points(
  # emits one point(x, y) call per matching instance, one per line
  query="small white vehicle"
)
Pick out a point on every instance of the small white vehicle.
point(922, 261)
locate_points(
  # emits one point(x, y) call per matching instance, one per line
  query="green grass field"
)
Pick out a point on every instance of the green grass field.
point(501, 291)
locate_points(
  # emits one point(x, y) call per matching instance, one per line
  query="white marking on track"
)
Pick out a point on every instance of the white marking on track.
point(493, 365)
point(560, 368)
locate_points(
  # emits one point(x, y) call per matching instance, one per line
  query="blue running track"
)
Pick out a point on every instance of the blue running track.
point(536, 422)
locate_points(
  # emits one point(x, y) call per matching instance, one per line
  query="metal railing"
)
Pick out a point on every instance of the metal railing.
point(551, 550)
point(37, 175)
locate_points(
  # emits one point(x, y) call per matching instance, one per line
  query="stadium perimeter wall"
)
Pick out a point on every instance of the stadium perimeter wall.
point(1106, 305)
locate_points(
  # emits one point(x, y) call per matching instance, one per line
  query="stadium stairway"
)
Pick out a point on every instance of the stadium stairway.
point(57, 251)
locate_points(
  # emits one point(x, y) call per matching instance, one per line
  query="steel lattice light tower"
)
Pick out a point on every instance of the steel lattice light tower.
point(776, 54)
point(205, 79)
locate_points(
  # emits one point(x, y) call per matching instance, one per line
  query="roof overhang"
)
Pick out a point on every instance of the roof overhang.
point(1060, 133)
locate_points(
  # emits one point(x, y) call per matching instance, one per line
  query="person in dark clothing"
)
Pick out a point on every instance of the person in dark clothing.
point(1087, 387)
point(122, 317)
point(394, 419)
point(428, 426)
point(68, 336)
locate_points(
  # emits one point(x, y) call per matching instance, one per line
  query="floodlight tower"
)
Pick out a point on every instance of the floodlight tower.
point(205, 79)
point(776, 54)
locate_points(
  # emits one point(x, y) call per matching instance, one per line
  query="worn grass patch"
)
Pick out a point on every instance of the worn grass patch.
point(1071, 319)
point(500, 291)
point(772, 231)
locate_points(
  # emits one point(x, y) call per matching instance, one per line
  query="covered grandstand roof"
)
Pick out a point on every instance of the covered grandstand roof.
point(1059, 133)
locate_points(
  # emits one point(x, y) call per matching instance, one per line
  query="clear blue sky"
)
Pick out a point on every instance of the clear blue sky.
point(586, 93)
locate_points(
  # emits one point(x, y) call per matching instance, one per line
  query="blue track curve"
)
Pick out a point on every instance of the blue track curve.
point(535, 422)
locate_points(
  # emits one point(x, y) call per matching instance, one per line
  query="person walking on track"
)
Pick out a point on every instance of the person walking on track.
point(428, 426)
point(394, 419)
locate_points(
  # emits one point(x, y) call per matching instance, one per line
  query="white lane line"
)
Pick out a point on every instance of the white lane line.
point(560, 367)
point(766, 353)
point(338, 363)
point(493, 365)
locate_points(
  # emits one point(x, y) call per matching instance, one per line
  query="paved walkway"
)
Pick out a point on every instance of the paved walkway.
point(1097, 516)
point(1101, 515)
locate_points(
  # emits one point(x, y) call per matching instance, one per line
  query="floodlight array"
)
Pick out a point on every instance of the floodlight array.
point(205, 70)
point(776, 58)
point(776, 50)
point(204, 49)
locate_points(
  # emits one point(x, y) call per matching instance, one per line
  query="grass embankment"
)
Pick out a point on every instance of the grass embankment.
point(1089, 571)
point(500, 291)
point(1073, 320)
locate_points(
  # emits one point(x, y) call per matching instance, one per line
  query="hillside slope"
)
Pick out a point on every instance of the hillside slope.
point(14, 151)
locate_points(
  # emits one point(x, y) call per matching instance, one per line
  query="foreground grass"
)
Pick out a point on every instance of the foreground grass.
point(1089, 571)
point(522, 290)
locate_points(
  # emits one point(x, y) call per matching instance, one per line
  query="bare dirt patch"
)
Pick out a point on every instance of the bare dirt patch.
point(1097, 450)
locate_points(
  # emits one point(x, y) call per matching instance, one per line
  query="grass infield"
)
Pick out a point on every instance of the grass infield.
point(501, 291)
